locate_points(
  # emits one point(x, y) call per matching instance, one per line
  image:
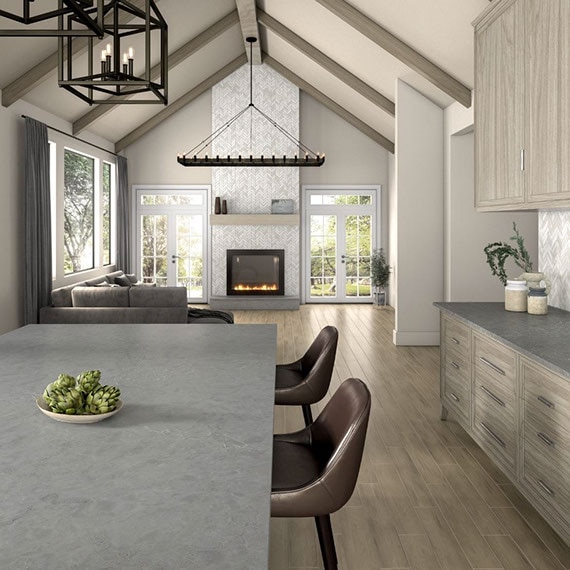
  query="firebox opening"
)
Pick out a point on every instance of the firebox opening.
point(255, 272)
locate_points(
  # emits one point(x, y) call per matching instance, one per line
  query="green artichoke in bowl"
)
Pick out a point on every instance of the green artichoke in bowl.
point(65, 401)
point(89, 380)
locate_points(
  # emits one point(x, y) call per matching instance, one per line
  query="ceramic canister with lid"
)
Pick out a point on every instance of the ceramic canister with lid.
point(537, 301)
point(516, 296)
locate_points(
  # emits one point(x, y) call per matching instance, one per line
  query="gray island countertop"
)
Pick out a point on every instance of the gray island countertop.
point(544, 338)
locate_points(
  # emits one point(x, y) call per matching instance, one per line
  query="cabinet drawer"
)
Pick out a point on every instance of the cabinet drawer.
point(495, 360)
point(495, 432)
point(546, 392)
point(495, 396)
point(548, 437)
point(457, 335)
point(549, 480)
point(457, 364)
point(457, 394)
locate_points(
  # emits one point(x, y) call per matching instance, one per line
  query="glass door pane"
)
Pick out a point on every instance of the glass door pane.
point(154, 248)
point(358, 239)
point(323, 256)
point(189, 253)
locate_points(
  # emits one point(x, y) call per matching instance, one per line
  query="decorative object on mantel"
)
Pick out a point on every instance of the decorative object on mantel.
point(282, 206)
point(218, 205)
point(224, 207)
point(112, 78)
point(379, 275)
point(306, 156)
point(90, 21)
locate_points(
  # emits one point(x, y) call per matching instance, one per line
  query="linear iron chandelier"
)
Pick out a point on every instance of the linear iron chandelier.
point(88, 13)
point(110, 78)
point(306, 156)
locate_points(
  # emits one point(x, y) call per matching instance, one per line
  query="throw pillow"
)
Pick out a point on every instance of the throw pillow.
point(132, 278)
point(123, 281)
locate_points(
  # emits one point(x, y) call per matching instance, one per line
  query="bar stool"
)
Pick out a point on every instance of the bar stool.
point(306, 381)
point(315, 469)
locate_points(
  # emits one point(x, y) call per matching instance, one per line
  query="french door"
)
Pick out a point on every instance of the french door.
point(339, 236)
point(172, 238)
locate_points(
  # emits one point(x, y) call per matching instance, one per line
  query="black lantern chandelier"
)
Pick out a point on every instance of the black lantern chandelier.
point(88, 13)
point(107, 75)
point(306, 156)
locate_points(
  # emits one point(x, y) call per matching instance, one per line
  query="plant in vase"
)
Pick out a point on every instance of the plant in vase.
point(379, 274)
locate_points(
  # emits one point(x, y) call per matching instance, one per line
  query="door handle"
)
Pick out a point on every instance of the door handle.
point(176, 257)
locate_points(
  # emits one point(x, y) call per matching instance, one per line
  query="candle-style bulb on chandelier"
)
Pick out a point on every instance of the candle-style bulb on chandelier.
point(304, 157)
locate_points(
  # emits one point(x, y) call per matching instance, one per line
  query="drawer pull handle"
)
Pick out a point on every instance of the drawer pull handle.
point(454, 396)
point(455, 365)
point(493, 435)
point(546, 402)
point(492, 366)
point(545, 487)
point(491, 395)
point(546, 439)
point(453, 339)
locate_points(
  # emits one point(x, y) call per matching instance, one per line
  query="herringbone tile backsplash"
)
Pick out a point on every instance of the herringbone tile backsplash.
point(554, 254)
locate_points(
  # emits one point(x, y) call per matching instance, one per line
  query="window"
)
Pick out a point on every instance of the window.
point(83, 205)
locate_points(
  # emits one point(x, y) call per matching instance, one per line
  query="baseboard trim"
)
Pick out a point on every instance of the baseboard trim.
point(401, 338)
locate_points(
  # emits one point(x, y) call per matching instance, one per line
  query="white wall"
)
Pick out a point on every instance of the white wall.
point(392, 230)
point(467, 232)
point(419, 215)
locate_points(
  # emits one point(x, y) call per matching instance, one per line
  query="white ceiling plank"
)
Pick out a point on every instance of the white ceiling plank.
point(248, 19)
point(181, 54)
point(180, 103)
point(399, 49)
point(330, 104)
point(40, 72)
point(327, 63)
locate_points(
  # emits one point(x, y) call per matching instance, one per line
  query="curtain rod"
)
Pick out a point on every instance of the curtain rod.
point(74, 137)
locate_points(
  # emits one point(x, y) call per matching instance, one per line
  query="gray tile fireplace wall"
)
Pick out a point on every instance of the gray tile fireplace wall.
point(250, 190)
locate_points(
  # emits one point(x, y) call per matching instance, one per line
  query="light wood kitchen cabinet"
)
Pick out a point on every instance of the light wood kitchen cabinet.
point(522, 117)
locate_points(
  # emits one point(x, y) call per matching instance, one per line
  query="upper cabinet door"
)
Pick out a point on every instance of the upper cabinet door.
point(499, 104)
point(546, 79)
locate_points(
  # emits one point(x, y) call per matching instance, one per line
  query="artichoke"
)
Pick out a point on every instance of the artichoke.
point(65, 381)
point(65, 400)
point(102, 400)
point(89, 380)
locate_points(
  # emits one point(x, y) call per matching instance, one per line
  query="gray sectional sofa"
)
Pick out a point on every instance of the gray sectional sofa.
point(116, 299)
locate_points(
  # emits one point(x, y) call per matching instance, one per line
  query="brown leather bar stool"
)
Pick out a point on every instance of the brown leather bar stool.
point(315, 469)
point(306, 381)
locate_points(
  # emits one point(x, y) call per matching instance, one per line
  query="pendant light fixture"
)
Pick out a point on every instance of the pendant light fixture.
point(88, 13)
point(305, 156)
point(110, 73)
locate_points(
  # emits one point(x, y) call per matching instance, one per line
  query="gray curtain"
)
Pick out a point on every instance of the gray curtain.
point(38, 270)
point(123, 217)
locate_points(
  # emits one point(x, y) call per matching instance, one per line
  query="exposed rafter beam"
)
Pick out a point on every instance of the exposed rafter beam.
point(329, 103)
point(248, 19)
point(400, 50)
point(174, 59)
point(326, 63)
point(40, 72)
point(180, 103)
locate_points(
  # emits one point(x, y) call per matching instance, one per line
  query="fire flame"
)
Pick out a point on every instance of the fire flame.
point(263, 287)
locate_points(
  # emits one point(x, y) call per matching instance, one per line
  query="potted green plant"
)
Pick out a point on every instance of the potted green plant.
point(379, 275)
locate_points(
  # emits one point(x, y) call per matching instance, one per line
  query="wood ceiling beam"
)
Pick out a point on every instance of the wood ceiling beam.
point(248, 19)
point(327, 63)
point(400, 50)
point(181, 102)
point(330, 104)
point(40, 72)
point(188, 49)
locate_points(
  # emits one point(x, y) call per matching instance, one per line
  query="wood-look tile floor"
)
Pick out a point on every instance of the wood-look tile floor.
point(427, 497)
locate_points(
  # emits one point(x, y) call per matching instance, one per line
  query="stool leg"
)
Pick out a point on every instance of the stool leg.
point(326, 540)
point(307, 415)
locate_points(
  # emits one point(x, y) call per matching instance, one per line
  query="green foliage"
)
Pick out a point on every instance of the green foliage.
point(498, 252)
point(379, 268)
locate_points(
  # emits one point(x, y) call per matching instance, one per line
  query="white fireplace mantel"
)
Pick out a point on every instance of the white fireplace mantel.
point(254, 219)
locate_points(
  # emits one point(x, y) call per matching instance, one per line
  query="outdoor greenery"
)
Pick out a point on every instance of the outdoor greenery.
point(497, 254)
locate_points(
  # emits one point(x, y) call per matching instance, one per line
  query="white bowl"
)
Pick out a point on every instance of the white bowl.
point(76, 419)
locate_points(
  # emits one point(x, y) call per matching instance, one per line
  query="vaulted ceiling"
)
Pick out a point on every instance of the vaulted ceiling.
point(346, 54)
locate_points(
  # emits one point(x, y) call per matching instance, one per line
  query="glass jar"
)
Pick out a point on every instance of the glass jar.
point(516, 296)
point(537, 301)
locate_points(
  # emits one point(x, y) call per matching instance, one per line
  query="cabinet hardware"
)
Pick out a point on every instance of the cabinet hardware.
point(454, 396)
point(455, 365)
point(522, 159)
point(492, 366)
point(453, 339)
point(545, 487)
point(546, 439)
point(545, 401)
point(493, 435)
point(491, 395)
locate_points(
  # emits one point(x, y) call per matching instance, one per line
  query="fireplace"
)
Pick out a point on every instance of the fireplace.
point(255, 272)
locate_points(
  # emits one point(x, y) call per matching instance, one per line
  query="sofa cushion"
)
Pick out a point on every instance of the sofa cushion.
point(110, 277)
point(132, 278)
point(157, 296)
point(123, 281)
point(95, 281)
point(100, 297)
point(61, 297)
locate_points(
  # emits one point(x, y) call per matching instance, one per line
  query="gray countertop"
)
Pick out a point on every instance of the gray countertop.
point(179, 478)
point(544, 338)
